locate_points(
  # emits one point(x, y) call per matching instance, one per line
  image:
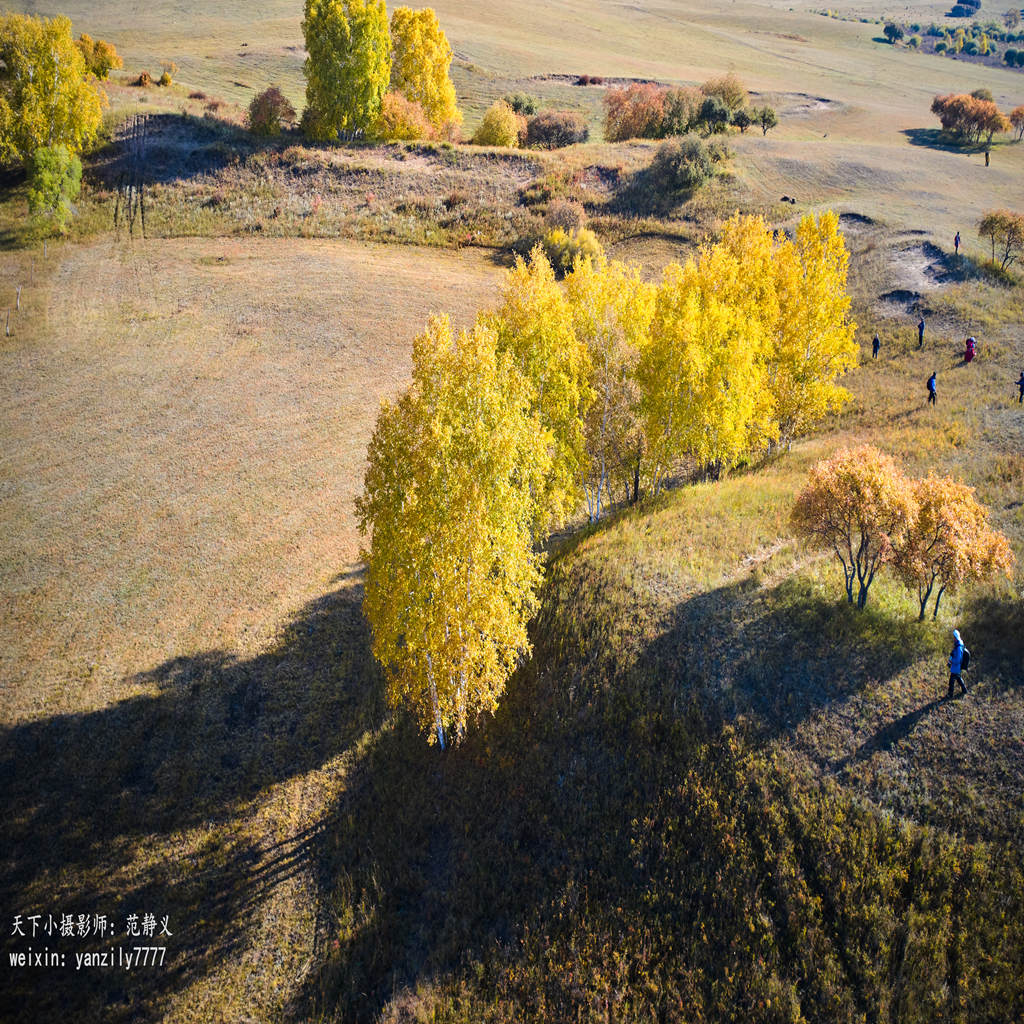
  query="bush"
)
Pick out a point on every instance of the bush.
point(197, 95)
point(100, 56)
point(562, 248)
point(165, 79)
point(892, 32)
point(715, 114)
point(914, 41)
point(54, 181)
point(940, 47)
point(681, 164)
point(500, 127)
point(583, 80)
point(636, 112)
point(1010, 57)
point(681, 108)
point(742, 119)
point(144, 81)
point(556, 128)
point(566, 214)
point(269, 112)
point(401, 119)
point(729, 89)
point(521, 103)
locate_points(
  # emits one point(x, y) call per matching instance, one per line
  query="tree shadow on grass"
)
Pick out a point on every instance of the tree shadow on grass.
point(168, 784)
point(436, 862)
point(935, 138)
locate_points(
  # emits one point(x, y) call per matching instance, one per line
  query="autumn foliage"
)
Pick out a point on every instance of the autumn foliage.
point(860, 506)
point(588, 390)
point(968, 118)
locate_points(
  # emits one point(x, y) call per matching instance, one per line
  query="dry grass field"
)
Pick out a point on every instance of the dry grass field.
point(185, 426)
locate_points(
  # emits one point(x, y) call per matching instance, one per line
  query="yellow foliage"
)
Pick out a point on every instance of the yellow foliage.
point(46, 95)
point(950, 542)
point(499, 127)
point(534, 326)
point(860, 506)
point(421, 57)
point(612, 310)
point(451, 570)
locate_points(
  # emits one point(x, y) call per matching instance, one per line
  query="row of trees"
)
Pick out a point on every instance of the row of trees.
point(356, 57)
point(565, 394)
point(644, 110)
point(933, 533)
point(967, 118)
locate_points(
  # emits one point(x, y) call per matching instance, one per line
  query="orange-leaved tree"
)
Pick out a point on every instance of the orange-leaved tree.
point(858, 505)
point(949, 543)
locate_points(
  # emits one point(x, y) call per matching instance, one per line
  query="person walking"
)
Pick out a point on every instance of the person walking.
point(969, 348)
point(1020, 388)
point(875, 346)
point(959, 657)
point(956, 244)
point(931, 390)
point(920, 333)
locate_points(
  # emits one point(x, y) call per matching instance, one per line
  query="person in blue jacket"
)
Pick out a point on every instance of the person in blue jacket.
point(956, 658)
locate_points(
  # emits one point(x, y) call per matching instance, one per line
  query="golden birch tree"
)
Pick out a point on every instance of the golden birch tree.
point(534, 326)
point(701, 373)
point(47, 97)
point(858, 505)
point(421, 58)
point(797, 290)
point(451, 571)
point(612, 310)
point(950, 543)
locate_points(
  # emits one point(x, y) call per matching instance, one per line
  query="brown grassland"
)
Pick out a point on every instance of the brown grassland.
point(715, 792)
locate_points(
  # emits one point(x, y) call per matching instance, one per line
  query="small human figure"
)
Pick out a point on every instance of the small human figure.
point(931, 390)
point(969, 350)
point(1020, 388)
point(920, 333)
point(986, 158)
point(956, 244)
point(956, 660)
point(875, 346)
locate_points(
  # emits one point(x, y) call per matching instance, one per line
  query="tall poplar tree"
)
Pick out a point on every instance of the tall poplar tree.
point(421, 58)
point(451, 570)
point(47, 97)
point(534, 326)
point(349, 64)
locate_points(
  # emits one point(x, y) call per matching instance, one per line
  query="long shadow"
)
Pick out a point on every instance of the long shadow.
point(888, 736)
point(935, 138)
point(161, 782)
point(435, 862)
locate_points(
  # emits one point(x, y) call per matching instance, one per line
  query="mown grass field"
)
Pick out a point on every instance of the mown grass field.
point(715, 792)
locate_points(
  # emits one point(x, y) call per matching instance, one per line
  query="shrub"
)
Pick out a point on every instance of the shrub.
point(562, 248)
point(170, 69)
point(401, 119)
point(500, 127)
point(636, 112)
point(715, 114)
point(940, 47)
point(914, 41)
point(556, 128)
point(892, 32)
point(165, 79)
point(144, 81)
point(960, 11)
point(54, 181)
point(521, 103)
point(566, 214)
point(681, 110)
point(583, 80)
point(681, 164)
point(269, 112)
point(197, 95)
point(729, 89)
point(766, 118)
point(970, 47)
point(100, 56)
point(742, 119)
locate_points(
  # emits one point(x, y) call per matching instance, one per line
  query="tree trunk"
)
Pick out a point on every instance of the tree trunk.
point(938, 598)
